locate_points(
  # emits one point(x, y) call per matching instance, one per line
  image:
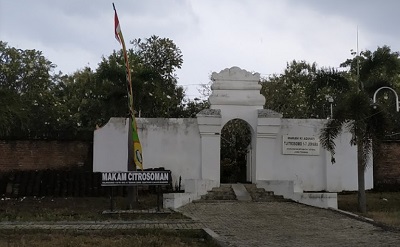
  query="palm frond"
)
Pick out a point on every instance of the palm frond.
point(332, 130)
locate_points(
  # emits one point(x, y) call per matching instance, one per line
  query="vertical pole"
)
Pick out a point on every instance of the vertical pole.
point(111, 198)
point(132, 197)
point(158, 197)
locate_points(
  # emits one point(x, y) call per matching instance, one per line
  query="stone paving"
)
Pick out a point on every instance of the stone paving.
point(286, 224)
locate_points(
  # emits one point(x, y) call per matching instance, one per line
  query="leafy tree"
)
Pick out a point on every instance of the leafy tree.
point(11, 114)
point(80, 101)
point(302, 91)
point(26, 84)
point(90, 98)
point(153, 95)
point(155, 91)
point(327, 84)
point(36, 101)
point(158, 59)
point(375, 69)
point(285, 93)
point(161, 55)
point(192, 107)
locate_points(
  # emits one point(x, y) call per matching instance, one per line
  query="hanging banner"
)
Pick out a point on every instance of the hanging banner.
point(137, 147)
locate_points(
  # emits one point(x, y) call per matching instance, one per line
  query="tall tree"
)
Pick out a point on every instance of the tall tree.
point(37, 100)
point(367, 125)
point(93, 97)
point(154, 96)
point(285, 93)
point(161, 54)
point(326, 89)
point(375, 69)
point(27, 82)
point(159, 58)
point(303, 90)
point(80, 101)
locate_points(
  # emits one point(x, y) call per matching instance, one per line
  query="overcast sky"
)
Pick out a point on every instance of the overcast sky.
point(256, 35)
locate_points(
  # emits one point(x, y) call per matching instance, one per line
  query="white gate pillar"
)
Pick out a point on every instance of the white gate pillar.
point(209, 121)
point(268, 127)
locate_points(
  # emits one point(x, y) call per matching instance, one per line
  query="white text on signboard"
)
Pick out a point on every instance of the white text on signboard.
point(136, 178)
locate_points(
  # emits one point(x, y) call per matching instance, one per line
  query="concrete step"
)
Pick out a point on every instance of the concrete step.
point(216, 197)
point(240, 192)
point(261, 195)
point(223, 187)
point(222, 193)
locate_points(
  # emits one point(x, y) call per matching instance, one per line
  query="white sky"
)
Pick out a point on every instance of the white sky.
point(256, 35)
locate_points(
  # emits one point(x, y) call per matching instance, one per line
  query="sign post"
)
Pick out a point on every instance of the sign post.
point(135, 178)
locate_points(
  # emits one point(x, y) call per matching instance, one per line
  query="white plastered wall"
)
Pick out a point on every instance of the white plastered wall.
point(190, 148)
point(110, 146)
point(312, 173)
point(170, 143)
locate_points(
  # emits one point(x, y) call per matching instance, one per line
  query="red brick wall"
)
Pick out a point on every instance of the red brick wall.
point(41, 154)
point(387, 166)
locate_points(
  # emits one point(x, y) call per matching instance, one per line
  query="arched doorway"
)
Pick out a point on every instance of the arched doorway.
point(235, 152)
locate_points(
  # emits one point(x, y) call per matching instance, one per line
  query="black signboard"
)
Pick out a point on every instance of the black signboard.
point(136, 178)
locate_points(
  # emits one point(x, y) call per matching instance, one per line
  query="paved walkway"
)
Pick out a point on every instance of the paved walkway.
point(286, 224)
point(252, 224)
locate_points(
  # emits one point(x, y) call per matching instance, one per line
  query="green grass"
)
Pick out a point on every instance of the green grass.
point(75, 209)
point(90, 209)
point(140, 237)
point(383, 207)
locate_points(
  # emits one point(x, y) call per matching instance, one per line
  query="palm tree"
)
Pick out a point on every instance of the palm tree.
point(354, 113)
point(367, 126)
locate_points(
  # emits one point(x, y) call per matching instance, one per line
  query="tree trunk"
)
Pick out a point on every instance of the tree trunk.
point(362, 199)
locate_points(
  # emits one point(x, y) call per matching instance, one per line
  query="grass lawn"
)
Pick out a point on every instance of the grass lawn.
point(90, 209)
point(75, 209)
point(154, 238)
point(383, 207)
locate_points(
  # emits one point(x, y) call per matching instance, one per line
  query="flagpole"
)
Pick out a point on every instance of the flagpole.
point(137, 148)
point(134, 146)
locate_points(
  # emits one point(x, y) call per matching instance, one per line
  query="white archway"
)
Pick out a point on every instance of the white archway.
point(236, 95)
point(236, 151)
